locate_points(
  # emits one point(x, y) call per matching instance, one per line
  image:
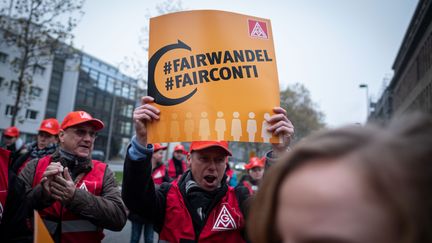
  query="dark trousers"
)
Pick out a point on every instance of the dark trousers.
point(136, 232)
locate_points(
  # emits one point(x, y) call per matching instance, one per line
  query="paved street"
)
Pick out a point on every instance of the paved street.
point(122, 236)
point(118, 237)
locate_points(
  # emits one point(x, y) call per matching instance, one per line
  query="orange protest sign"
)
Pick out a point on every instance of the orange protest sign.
point(41, 234)
point(213, 76)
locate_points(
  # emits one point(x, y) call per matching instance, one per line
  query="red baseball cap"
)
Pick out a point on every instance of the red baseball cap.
point(78, 117)
point(180, 148)
point(200, 145)
point(254, 162)
point(50, 125)
point(158, 146)
point(11, 132)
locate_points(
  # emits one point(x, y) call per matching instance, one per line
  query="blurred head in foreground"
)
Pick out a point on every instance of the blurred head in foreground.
point(353, 184)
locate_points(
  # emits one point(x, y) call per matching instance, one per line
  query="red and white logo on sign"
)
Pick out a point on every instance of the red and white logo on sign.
point(258, 29)
point(224, 221)
point(83, 187)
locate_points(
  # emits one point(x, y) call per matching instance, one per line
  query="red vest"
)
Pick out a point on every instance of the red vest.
point(74, 228)
point(252, 188)
point(172, 170)
point(229, 174)
point(158, 174)
point(4, 179)
point(224, 223)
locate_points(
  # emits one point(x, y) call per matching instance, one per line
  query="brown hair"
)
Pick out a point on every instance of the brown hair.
point(397, 163)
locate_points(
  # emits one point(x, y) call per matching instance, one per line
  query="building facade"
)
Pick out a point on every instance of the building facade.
point(73, 82)
point(411, 86)
point(31, 111)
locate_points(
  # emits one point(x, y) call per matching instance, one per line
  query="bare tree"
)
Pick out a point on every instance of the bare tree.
point(136, 65)
point(301, 111)
point(37, 29)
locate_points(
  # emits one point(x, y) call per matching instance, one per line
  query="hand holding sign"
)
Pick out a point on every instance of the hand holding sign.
point(142, 115)
point(281, 126)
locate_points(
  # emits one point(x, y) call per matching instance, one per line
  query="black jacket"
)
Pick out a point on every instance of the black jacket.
point(16, 223)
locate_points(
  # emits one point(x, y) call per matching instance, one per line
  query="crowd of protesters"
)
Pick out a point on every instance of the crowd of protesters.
point(352, 184)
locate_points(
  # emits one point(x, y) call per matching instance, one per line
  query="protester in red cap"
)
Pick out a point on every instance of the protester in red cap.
point(159, 171)
point(199, 206)
point(12, 142)
point(70, 188)
point(255, 169)
point(177, 164)
point(46, 143)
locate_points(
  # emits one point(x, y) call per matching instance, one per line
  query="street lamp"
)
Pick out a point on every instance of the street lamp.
point(367, 98)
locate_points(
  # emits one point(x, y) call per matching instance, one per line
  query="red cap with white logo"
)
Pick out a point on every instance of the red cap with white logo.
point(200, 145)
point(79, 117)
point(50, 125)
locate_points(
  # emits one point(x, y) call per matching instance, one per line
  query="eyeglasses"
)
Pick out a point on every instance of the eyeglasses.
point(82, 133)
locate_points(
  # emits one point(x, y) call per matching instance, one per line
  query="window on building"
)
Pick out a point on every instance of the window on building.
point(3, 57)
point(13, 86)
point(31, 114)
point(80, 99)
point(125, 127)
point(90, 97)
point(38, 69)
point(10, 110)
point(127, 110)
point(99, 101)
point(118, 88)
point(85, 59)
point(35, 91)
point(125, 91)
point(132, 93)
point(110, 85)
point(1, 81)
point(107, 103)
point(93, 74)
point(102, 81)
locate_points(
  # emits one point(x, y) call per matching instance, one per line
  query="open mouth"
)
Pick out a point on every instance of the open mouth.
point(209, 178)
point(84, 146)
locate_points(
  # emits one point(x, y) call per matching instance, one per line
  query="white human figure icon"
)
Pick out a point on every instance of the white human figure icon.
point(189, 126)
point(266, 135)
point(251, 127)
point(161, 129)
point(174, 127)
point(204, 127)
point(236, 128)
point(220, 126)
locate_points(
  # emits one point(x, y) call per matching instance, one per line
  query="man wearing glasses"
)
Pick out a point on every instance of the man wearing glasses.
point(76, 196)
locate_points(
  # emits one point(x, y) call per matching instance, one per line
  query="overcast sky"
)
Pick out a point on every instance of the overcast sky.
point(330, 46)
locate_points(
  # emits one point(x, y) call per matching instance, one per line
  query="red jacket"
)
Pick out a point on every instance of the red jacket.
point(74, 228)
point(171, 169)
point(4, 165)
point(252, 188)
point(224, 224)
point(158, 174)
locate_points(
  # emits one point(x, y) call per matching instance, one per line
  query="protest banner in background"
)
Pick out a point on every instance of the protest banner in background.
point(213, 76)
